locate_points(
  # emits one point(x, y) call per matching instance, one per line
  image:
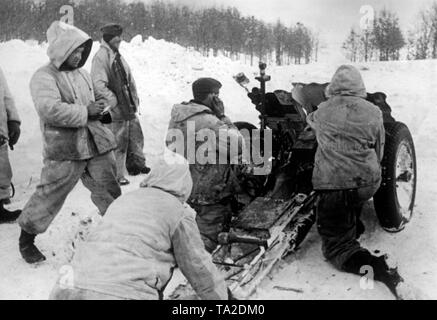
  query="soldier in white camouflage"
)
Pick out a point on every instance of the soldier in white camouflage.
point(9, 135)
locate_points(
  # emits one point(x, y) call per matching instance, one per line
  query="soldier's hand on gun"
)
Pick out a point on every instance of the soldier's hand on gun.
point(255, 96)
point(95, 109)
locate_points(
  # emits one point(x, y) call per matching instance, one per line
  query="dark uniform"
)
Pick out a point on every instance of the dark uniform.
point(113, 80)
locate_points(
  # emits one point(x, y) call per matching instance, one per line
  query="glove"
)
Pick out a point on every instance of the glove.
point(255, 96)
point(14, 132)
point(106, 118)
point(218, 107)
point(95, 109)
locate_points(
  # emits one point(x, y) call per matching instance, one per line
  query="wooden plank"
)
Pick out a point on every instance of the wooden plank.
point(261, 214)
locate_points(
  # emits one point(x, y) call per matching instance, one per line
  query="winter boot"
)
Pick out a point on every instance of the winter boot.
point(403, 290)
point(28, 250)
point(381, 271)
point(8, 216)
point(389, 276)
point(134, 171)
point(145, 170)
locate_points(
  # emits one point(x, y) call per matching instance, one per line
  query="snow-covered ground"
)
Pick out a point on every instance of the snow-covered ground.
point(164, 73)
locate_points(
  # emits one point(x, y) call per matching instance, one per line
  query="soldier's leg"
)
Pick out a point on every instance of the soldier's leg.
point(100, 178)
point(336, 223)
point(211, 220)
point(359, 223)
point(5, 173)
point(120, 129)
point(362, 260)
point(337, 215)
point(135, 159)
point(5, 187)
point(58, 178)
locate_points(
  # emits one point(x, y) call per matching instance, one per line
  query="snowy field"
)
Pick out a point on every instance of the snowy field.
point(164, 73)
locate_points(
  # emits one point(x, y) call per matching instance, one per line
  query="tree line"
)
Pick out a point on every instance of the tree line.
point(208, 30)
point(384, 39)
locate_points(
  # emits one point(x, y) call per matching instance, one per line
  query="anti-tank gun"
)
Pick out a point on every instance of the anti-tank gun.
point(278, 219)
point(281, 212)
point(294, 146)
point(293, 143)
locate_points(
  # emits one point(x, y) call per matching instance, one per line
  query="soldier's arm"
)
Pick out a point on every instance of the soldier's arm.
point(99, 75)
point(50, 108)
point(194, 262)
point(11, 110)
point(229, 138)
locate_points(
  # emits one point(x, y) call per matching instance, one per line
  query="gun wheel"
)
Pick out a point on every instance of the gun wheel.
point(394, 201)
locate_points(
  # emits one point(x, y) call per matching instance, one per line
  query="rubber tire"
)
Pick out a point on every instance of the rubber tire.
point(385, 200)
point(244, 125)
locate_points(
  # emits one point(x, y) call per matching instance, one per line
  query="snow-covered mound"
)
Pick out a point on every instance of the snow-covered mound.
point(164, 73)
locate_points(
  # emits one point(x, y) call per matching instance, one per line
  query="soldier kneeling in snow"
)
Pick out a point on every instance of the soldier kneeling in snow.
point(131, 254)
point(350, 135)
point(215, 181)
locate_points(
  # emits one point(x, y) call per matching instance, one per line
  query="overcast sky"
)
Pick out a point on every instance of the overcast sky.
point(332, 18)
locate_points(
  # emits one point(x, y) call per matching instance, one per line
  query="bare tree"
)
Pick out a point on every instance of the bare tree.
point(218, 29)
point(351, 46)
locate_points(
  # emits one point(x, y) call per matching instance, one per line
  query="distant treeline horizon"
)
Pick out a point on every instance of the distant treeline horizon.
point(208, 30)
